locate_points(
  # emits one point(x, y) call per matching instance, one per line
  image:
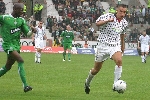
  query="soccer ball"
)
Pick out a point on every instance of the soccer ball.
point(120, 86)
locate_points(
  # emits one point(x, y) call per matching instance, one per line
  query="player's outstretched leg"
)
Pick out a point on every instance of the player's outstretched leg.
point(23, 77)
point(69, 56)
point(142, 58)
point(39, 57)
point(64, 54)
point(36, 57)
point(87, 83)
point(117, 75)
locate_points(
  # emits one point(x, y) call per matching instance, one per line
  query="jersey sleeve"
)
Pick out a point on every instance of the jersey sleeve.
point(62, 34)
point(24, 27)
point(125, 25)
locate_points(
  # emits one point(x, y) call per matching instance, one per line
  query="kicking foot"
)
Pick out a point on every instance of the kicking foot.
point(27, 88)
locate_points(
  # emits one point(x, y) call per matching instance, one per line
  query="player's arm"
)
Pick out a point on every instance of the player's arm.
point(61, 36)
point(34, 30)
point(33, 37)
point(45, 37)
point(104, 19)
point(139, 42)
point(122, 36)
point(138, 45)
point(26, 30)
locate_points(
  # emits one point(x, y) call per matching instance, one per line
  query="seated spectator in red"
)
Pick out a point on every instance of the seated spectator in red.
point(69, 14)
point(85, 44)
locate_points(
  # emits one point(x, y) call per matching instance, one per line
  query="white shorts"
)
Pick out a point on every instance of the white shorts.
point(104, 51)
point(144, 48)
point(39, 44)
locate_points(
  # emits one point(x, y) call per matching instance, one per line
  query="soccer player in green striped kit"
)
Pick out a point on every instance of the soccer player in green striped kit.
point(12, 26)
point(67, 37)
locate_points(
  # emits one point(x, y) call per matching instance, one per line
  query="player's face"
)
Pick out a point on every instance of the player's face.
point(68, 28)
point(144, 33)
point(40, 23)
point(19, 10)
point(121, 12)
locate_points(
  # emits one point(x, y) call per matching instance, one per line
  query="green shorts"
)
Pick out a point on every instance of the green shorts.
point(67, 46)
point(8, 47)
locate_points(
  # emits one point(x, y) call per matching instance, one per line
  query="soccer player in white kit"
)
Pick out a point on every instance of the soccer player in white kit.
point(38, 39)
point(110, 43)
point(144, 41)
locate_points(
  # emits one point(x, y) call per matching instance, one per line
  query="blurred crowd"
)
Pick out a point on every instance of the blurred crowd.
point(82, 13)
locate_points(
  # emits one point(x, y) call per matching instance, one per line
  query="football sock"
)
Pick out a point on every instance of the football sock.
point(22, 74)
point(142, 58)
point(69, 56)
point(3, 70)
point(145, 56)
point(117, 73)
point(89, 78)
point(36, 56)
point(39, 57)
point(64, 54)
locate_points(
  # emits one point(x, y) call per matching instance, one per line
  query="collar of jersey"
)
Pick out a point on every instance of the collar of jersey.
point(13, 16)
point(68, 31)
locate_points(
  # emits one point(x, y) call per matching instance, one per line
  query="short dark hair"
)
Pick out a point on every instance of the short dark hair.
point(122, 5)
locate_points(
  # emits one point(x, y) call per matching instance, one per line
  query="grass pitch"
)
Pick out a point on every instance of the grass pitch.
point(58, 80)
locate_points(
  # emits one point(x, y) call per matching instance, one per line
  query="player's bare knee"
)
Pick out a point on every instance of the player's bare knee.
point(118, 62)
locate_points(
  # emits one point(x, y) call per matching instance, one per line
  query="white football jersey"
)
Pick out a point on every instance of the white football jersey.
point(40, 33)
point(110, 32)
point(144, 39)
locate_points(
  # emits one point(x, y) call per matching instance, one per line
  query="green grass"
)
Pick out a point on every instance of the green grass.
point(58, 80)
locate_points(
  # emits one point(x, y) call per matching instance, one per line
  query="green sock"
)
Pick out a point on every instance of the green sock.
point(64, 54)
point(3, 70)
point(69, 56)
point(22, 74)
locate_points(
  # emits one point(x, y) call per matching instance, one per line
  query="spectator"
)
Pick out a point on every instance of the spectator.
point(24, 9)
point(85, 44)
point(148, 31)
point(78, 45)
point(32, 21)
point(38, 11)
point(2, 7)
point(98, 4)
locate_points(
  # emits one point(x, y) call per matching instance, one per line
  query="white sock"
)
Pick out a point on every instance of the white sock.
point(117, 73)
point(89, 78)
point(36, 56)
point(39, 57)
point(145, 56)
point(142, 57)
